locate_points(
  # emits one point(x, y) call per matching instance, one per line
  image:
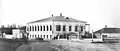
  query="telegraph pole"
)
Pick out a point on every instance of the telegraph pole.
point(92, 35)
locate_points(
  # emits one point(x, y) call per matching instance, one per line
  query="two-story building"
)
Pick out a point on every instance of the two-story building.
point(49, 27)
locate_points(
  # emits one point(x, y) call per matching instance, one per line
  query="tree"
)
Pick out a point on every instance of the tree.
point(2, 26)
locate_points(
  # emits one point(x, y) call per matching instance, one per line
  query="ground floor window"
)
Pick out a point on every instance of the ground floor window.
point(47, 36)
point(43, 36)
point(32, 35)
point(58, 28)
point(50, 36)
point(40, 36)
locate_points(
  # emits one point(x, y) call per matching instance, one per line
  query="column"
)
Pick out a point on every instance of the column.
point(31, 28)
point(34, 27)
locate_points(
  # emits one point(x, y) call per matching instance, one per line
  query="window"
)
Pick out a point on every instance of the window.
point(47, 36)
point(70, 28)
point(50, 36)
point(38, 28)
point(50, 27)
point(43, 36)
point(32, 28)
point(35, 35)
point(47, 28)
point(43, 28)
point(64, 28)
point(27, 28)
point(81, 28)
point(32, 35)
point(76, 28)
point(35, 28)
point(58, 28)
point(38, 35)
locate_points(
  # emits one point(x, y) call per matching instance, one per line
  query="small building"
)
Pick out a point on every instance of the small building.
point(108, 33)
point(18, 33)
point(7, 36)
point(6, 33)
point(50, 27)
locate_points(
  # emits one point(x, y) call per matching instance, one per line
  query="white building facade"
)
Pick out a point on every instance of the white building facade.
point(48, 28)
point(17, 33)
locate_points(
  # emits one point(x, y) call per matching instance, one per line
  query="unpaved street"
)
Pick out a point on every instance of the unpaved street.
point(66, 45)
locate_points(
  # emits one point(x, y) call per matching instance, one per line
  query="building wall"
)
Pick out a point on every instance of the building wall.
point(67, 24)
point(41, 34)
point(52, 33)
point(109, 35)
point(98, 35)
point(113, 35)
point(17, 33)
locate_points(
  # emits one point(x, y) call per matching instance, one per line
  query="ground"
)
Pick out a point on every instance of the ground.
point(58, 45)
point(8, 46)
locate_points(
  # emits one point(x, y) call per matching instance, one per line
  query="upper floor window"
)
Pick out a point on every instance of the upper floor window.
point(50, 27)
point(32, 28)
point(81, 28)
point(38, 28)
point(76, 28)
point(47, 28)
point(64, 28)
point(27, 28)
point(70, 28)
point(43, 28)
point(58, 28)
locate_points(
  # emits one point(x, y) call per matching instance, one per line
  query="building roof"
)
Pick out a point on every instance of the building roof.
point(57, 18)
point(108, 30)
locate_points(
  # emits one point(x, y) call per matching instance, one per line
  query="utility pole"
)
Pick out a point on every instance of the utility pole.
point(92, 35)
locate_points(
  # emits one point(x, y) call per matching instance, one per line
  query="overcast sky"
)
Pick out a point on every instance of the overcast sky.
point(96, 12)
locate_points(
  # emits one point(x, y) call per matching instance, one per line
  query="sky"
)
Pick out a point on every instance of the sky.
point(97, 13)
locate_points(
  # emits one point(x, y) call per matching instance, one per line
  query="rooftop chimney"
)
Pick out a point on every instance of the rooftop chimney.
point(60, 14)
point(52, 15)
point(105, 26)
point(67, 17)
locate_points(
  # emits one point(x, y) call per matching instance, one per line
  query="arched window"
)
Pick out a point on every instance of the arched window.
point(70, 28)
point(47, 36)
point(32, 28)
point(43, 36)
point(50, 27)
point(33, 36)
point(41, 28)
point(27, 28)
point(47, 28)
point(50, 36)
point(35, 28)
point(38, 28)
